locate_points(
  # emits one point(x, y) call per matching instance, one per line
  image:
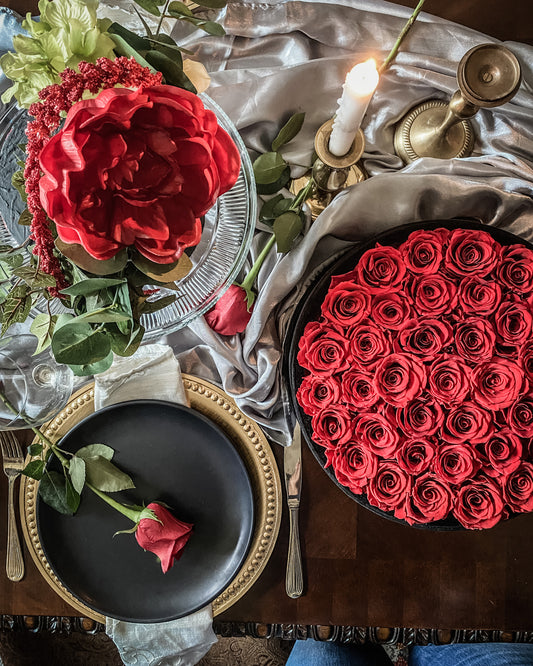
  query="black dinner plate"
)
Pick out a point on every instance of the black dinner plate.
point(174, 455)
point(309, 308)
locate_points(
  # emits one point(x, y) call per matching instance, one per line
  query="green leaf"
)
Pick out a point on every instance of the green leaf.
point(91, 286)
point(212, 28)
point(12, 259)
point(147, 307)
point(88, 369)
point(72, 495)
point(134, 40)
point(274, 207)
point(25, 218)
point(166, 45)
point(105, 476)
point(81, 258)
point(172, 71)
point(53, 491)
point(110, 313)
point(268, 168)
point(287, 227)
point(34, 278)
point(34, 469)
point(288, 131)
point(212, 4)
point(16, 307)
point(76, 470)
point(149, 6)
point(43, 327)
point(95, 450)
point(125, 344)
point(79, 344)
point(19, 183)
point(163, 273)
point(270, 188)
point(179, 8)
point(35, 449)
point(123, 48)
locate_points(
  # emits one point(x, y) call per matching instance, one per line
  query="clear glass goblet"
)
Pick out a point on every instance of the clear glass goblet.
point(33, 387)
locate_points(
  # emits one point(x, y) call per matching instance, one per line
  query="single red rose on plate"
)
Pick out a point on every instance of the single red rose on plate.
point(433, 295)
point(430, 500)
point(516, 269)
point(317, 392)
point(415, 455)
point(358, 389)
point(467, 422)
point(475, 339)
point(165, 537)
point(389, 488)
point(368, 343)
point(455, 463)
point(478, 296)
point(449, 379)
point(230, 314)
point(518, 489)
point(324, 349)
point(332, 426)
point(381, 269)
point(471, 252)
point(479, 504)
point(501, 454)
point(425, 337)
point(513, 322)
point(390, 310)
point(422, 252)
point(399, 378)
point(376, 433)
point(497, 384)
point(422, 417)
point(346, 304)
point(136, 168)
point(353, 463)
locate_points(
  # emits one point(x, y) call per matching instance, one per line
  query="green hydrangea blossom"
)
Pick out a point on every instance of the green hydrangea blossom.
point(67, 33)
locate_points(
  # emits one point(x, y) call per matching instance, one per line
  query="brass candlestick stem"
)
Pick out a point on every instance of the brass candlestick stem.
point(488, 75)
point(330, 173)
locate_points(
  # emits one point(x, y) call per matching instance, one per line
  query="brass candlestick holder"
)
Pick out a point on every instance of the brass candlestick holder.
point(331, 173)
point(488, 75)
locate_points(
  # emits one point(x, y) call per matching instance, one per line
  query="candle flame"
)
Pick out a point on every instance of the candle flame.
point(363, 79)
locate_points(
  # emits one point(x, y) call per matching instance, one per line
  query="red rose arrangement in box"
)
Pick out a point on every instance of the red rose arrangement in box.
point(420, 384)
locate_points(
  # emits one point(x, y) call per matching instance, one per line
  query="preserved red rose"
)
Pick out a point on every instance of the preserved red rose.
point(347, 303)
point(399, 378)
point(471, 253)
point(479, 504)
point(381, 269)
point(317, 392)
point(430, 500)
point(354, 464)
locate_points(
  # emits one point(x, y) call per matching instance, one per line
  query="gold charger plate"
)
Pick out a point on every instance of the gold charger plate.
point(253, 448)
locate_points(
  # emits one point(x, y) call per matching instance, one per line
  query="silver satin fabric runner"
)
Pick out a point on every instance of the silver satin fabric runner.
point(279, 58)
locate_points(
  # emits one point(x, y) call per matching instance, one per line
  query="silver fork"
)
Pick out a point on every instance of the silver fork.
point(13, 461)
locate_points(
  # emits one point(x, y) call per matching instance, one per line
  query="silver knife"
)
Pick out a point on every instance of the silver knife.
point(292, 463)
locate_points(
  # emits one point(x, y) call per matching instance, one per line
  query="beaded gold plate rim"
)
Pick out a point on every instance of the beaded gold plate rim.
point(252, 446)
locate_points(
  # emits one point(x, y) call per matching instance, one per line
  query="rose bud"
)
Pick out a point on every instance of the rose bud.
point(230, 315)
point(165, 537)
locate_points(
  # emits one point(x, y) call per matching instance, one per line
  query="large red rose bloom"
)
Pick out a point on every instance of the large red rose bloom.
point(136, 168)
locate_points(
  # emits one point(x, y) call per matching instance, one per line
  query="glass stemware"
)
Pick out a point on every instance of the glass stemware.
point(33, 387)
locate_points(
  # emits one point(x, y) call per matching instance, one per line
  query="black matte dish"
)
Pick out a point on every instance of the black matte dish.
point(308, 309)
point(175, 455)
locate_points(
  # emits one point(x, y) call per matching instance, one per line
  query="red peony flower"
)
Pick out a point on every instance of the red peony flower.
point(332, 426)
point(479, 504)
point(501, 454)
point(354, 464)
point(377, 434)
point(467, 422)
point(497, 384)
point(478, 296)
point(475, 339)
point(422, 252)
point(381, 269)
point(449, 379)
point(518, 489)
point(390, 310)
point(165, 537)
point(425, 337)
point(368, 343)
point(513, 322)
point(389, 488)
point(415, 455)
point(317, 392)
point(399, 378)
point(346, 304)
point(433, 294)
point(516, 269)
point(323, 349)
point(455, 463)
point(430, 499)
point(471, 253)
point(420, 418)
point(358, 389)
point(136, 168)
point(230, 314)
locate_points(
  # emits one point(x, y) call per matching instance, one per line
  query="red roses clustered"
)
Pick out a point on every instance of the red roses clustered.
point(420, 384)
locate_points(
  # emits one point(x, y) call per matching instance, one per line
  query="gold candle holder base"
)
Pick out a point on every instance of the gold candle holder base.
point(488, 75)
point(330, 173)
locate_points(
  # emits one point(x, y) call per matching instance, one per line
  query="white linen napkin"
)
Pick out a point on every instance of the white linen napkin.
point(153, 372)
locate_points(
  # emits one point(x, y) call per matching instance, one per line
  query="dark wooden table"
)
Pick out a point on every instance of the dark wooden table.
point(366, 577)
